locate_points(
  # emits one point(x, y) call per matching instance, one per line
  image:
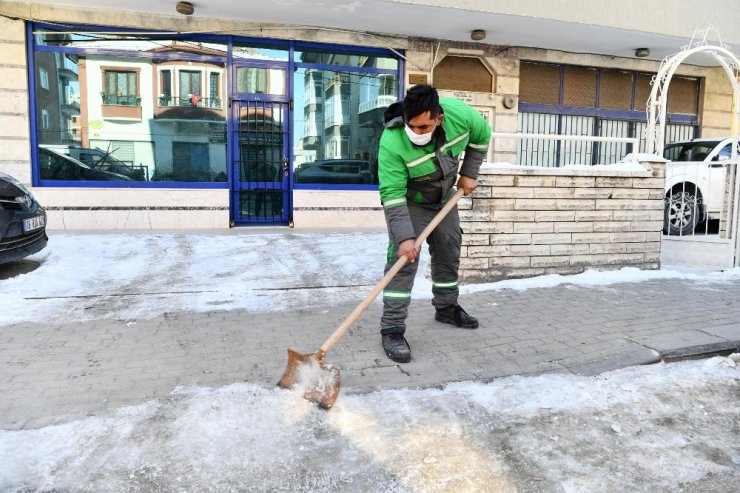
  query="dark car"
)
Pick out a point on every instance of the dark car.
point(54, 165)
point(336, 171)
point(99, 159)
point(22, 221)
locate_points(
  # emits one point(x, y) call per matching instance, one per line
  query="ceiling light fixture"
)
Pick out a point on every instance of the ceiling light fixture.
point(477, 35)
point(185, 8)
point(642, 52)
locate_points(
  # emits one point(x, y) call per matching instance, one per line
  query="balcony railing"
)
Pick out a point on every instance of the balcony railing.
point(121, 100)
point(377, 102)
point(194, 101)
point(71, 104)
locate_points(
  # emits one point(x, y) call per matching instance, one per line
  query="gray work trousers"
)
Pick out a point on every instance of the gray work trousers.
point(444, 250)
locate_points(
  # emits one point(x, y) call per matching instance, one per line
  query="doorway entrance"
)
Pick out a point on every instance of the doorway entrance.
point(260, 185)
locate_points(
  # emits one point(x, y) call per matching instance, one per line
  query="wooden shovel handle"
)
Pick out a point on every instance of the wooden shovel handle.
point(352, 318)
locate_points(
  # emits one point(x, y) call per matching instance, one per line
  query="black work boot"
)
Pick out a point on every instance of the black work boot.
point(456, 316)
point(396, 348)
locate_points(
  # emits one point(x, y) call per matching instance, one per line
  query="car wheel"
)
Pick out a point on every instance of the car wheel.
point(682, 212)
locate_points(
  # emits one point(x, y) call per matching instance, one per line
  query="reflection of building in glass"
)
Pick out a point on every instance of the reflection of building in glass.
point(163, 114)
point(189, 119)
point(57, 98)
point(377, 92)
point(338, 114)
point(328, 105)
point(258, 80)
point(313, 115)
point(343, 108)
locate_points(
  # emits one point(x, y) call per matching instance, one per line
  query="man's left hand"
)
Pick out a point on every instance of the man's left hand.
point(468, 184)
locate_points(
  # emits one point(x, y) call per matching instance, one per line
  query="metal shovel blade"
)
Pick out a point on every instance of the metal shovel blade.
point(308, 372)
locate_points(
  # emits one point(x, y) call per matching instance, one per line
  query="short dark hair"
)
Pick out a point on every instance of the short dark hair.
point(420, 99)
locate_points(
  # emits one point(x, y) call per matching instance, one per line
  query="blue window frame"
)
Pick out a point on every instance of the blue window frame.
point(132, 110)
point(157, 112)
point(340, 95)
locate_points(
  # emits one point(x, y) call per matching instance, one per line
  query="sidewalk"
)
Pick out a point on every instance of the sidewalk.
point(52, 373)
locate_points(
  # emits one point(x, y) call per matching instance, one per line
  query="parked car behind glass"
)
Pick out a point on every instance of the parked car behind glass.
point(99, 159)
point(336, 171)
point(695, 182)
point(22, 221)
point(55, 165)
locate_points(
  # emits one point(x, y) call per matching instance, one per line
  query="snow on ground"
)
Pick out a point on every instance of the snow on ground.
point(653, 428)
point(649, 428)
point(129, 276)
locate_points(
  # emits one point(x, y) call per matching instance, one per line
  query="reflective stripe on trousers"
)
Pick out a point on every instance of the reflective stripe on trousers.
point(444, 249)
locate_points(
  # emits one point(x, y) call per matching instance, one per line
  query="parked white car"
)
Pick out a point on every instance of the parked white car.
point(695, 182)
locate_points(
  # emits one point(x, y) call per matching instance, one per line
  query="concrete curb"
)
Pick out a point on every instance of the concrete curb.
point(702, 351)
point(693, 343)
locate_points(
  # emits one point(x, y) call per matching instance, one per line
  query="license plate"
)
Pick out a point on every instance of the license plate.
point(33, 223)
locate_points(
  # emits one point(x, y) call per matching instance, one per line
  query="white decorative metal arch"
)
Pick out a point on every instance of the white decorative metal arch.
point(658, 101)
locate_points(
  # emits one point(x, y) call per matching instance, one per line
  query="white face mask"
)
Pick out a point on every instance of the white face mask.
point(419, 139)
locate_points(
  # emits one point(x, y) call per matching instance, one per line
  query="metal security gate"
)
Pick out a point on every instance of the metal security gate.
point(260, 189)
point(260, 140)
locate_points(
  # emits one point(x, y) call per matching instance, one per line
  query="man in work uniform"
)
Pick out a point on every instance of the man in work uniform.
point(418, 165)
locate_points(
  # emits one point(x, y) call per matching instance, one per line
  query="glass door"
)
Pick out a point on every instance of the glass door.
point(260, 190)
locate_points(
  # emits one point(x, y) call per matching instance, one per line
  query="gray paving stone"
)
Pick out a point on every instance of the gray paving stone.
point(52, 373)
point(730, 331)
point(686, 343)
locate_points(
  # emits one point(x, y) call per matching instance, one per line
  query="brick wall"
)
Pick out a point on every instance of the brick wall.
point(524, 221)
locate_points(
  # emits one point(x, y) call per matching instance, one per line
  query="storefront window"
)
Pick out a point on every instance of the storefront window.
point(257, 80)
point(345, 58)
point(260, 51)
point(155, 115)
point(338, 120)
point(148, 109)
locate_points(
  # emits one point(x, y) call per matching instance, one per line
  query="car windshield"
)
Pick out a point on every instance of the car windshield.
point(689, 151)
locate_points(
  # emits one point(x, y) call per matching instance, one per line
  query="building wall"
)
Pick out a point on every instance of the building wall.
point(663, 17)
point(716, 104)
point(131, 208)
point(527, 221)
point(312, 208)
point(715, 99)
point(320, 208)
point(15, 145)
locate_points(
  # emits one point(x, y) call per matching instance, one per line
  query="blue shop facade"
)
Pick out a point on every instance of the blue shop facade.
point(115, 108)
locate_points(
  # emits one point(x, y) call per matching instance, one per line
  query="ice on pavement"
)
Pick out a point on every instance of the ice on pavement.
point(140, 276)
point(649, 428)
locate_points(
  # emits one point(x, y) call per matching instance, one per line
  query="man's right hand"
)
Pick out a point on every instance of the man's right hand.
point(406, 247)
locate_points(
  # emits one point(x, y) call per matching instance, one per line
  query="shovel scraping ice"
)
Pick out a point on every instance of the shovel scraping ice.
point(319, 381)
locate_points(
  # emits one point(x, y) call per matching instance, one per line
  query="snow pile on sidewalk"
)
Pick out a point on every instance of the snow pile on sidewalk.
point(140, 276)
point(652, 428)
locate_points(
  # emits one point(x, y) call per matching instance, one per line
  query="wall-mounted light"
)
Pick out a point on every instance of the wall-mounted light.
point(642, 52)
point(477, 35)
point(508, 102)
point(185, 8)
